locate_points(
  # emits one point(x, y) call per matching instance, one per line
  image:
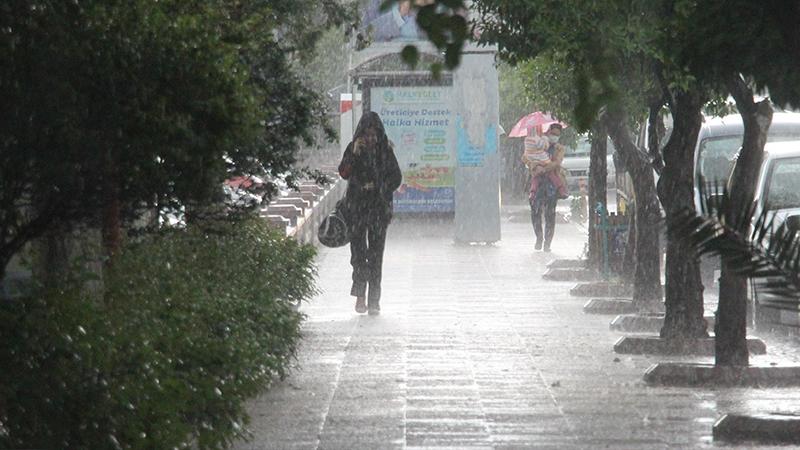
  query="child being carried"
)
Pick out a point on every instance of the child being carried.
point(536, 157)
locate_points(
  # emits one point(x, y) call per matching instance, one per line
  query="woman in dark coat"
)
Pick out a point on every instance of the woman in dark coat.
point(372, 173)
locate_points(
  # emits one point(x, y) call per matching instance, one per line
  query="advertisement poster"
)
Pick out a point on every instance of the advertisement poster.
point(470, 155)
point(420, 124)
point(397, 22)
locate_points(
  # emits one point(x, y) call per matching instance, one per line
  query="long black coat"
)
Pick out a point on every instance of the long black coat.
point(379, 167)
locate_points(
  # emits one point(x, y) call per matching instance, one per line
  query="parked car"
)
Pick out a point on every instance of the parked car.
point(576, 163)
point(720, 139)
point(777, 193)
point(778, 189)
point(718, 144)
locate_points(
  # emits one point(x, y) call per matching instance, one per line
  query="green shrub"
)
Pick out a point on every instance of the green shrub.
point(193, 323)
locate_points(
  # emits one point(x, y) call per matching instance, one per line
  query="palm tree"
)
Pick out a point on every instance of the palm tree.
point(766, 252)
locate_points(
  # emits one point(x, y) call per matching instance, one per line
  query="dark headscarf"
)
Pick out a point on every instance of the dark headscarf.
point(379, 166)
point(371, 120)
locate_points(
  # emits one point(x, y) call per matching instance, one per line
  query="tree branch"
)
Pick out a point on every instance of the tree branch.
point(742, 94)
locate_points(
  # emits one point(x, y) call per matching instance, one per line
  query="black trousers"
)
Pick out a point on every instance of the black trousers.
point(546, 205)
point(367, 241)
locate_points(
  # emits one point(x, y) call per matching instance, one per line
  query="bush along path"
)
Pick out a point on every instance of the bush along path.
point(191, 324)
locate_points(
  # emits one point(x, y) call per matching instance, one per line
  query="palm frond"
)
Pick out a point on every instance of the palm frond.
point(767, 254)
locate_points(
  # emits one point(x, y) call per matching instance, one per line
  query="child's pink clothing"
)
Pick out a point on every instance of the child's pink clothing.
point(536, 149)
point(554, 178)
point(536, 154)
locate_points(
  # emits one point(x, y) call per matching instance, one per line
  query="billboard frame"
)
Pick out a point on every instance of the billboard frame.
point(369, 81)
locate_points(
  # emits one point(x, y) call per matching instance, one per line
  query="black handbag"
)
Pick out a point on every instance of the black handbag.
point(334, 231)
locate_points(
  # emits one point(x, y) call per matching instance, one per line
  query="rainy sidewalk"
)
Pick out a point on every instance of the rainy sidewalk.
point(474, 350)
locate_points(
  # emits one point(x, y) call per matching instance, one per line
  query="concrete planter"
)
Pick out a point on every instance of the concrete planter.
point(567, 264)
point(654, 345)
point(602, 289)
point(609, 306)
point(645, 323)
point(758, 429)
point(570, 274)
point(707, 375)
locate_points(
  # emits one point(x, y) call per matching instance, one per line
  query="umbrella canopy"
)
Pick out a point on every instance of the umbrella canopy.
point(534, 119)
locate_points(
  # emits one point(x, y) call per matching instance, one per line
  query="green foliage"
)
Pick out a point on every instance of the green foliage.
point(161, 100)
point(194, 322)
point(721, 38)
point(145, 85)
point(587, 41)
point(410, 55)
point(550, 84)
point(684, 44)
point(325, 68)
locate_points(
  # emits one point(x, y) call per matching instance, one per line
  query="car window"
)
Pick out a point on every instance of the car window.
point(716, 156)
point(783, 184)
point(783, 137)
point(582, 148)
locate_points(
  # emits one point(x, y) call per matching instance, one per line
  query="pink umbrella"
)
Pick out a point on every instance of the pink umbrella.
point(534, 119)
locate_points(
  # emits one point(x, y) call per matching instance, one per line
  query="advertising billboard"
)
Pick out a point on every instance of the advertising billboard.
point(396, 23)
point(420, 124)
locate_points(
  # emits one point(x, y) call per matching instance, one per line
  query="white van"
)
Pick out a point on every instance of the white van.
point(718, 144)
point(777, 193)
point(719, 141)
point(778, 190)
point(576, 163)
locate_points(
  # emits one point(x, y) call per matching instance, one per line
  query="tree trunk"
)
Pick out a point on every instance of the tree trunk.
point(684, 288)
point(647, 293)
point(598, 173)
point(25, 233)
point(111, 228)
point(4, 261)
point(655, 131)
point(51, 266)
point(731, 324)
point(629, 260)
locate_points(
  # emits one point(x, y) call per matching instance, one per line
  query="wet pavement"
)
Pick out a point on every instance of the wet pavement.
point(474, 350)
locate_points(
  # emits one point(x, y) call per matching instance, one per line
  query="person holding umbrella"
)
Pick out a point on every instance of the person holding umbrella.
point(537, 158)
point(544, 192)
point(547, 182)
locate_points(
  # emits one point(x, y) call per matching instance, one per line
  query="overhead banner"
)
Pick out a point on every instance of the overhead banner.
point(420, 124)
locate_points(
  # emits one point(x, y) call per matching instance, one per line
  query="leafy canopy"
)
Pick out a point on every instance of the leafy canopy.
point(163, 100)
